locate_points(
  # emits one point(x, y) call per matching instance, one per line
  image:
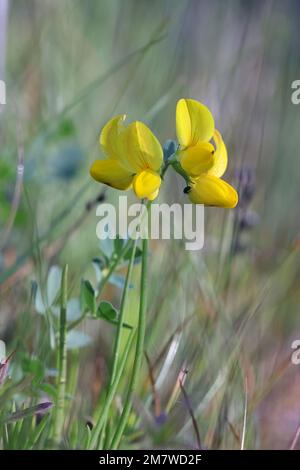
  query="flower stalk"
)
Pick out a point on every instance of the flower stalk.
point(116, 355)
point(139, 350)
point(62, 361)
point(110, 395)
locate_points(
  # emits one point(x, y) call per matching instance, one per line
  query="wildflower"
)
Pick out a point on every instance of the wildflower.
point(203, 155)
point(245, 218)
point(41, 409)
point(246, 183)
point(133, 158)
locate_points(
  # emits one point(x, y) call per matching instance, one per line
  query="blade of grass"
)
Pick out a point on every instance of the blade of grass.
point(111, 393)
point(34, 438)
point(102, 422)
point(56, 222)
point(85, 92)
point(190, 410)
point(62, 361)
point(139, 349)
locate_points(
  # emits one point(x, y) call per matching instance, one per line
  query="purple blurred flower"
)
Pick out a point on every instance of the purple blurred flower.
point(245, 218)
point(246, 185)
point(161, 419)
point(42, 408)
point(248, 219)
point(37, 410)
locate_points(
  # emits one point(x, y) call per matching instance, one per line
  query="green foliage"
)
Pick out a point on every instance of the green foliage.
point(87, 297)
point(219, 322)
point(107, 311)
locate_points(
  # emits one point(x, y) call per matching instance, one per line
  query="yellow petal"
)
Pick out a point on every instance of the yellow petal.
point(112, 173)
point(141, 148)
point(154, 195)
point(220, 156)
point(110, 136)
point(194, 122)
point(146, 184)
point(198, 159)
point(213, 191)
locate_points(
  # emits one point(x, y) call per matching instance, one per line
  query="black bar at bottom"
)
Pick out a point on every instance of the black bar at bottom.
point(133, 459)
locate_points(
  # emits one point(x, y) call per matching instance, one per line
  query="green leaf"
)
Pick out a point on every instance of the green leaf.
point(107, 310)
point(87, 297)
point(49, 390)
point(119, 244)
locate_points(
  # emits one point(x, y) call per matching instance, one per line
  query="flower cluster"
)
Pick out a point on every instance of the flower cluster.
point(134, 157)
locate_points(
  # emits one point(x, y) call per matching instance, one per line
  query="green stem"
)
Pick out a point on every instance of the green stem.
point(138, 351)
point(102, 421)
point(122, 314)
point(111, 393)
point(62, 361)
point(178, 168)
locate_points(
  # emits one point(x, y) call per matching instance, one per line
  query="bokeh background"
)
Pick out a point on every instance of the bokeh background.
point(227, 314)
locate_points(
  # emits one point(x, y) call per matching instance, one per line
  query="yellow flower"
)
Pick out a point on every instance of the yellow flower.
point(203, 162)
point(133, 158)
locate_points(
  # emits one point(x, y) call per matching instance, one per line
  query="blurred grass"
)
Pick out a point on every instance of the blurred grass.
point(70, 66)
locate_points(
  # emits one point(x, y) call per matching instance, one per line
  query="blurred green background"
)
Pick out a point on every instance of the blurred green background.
point(228, 313)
